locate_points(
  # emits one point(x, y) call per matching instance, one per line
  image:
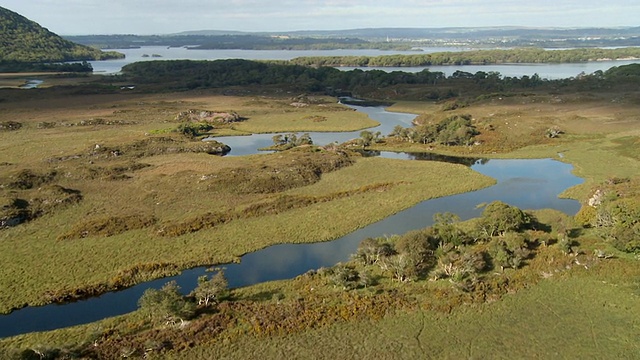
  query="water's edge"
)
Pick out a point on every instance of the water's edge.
point(528, 184)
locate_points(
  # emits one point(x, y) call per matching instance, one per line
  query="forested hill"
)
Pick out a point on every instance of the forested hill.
point(22, 40)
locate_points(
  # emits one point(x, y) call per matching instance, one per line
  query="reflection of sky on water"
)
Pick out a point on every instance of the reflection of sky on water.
point(246, 145)
point(528, 184)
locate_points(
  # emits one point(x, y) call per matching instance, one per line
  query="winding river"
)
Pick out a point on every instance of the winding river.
point(528, 184)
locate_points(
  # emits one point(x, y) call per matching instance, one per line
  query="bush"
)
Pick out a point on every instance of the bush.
point(166, 304)
point(498, 218)
point(586, 216)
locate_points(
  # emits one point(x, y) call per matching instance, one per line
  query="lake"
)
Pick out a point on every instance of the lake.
point(528, 184)
point(545, 71)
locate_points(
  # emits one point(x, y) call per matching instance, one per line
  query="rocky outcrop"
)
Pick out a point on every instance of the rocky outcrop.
point(218, 117)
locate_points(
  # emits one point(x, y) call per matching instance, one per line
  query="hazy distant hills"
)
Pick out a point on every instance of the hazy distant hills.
point(378, 38)
point(478, 33)
point(22, 40)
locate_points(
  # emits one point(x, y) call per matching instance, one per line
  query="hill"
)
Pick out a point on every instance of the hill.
point(22, 40)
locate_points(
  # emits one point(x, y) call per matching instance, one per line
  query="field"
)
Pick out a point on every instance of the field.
point(114, 193)
point(583, 316)
point(121, 224)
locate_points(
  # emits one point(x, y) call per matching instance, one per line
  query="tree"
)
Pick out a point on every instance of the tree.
point(304, 139)
point(402, 266)
point(166, 304)
point(498, 218)
point(345, 277)
point(416, 248)
point(211, 290)
point(278, 140)
point(446, 229)
point(372, 250)
point(509, 250)
point(366, 137)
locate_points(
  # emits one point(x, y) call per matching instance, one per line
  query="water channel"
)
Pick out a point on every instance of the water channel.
point(528, 184)
point(545, 71)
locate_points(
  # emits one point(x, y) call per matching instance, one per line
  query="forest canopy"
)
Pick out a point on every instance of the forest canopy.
point(475, 57)
point(22, 40)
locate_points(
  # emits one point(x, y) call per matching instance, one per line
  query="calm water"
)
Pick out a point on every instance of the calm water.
point(134, 55)
point(546, 71)
point(528, 184)
point(245, 145)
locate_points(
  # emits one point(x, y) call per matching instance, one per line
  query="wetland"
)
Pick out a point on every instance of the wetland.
point(107, 189)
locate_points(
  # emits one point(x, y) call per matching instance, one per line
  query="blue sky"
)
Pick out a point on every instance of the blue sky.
point(73, 17)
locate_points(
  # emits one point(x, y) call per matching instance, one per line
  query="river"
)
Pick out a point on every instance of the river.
point(528, 184)
point(545, 71)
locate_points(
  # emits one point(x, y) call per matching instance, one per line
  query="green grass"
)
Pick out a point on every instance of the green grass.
point(302, 120)
point(582, 313)
point(60, 265)
point(577, 316)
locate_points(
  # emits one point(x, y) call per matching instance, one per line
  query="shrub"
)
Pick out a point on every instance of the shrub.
point(166, 304)
point(498, 218)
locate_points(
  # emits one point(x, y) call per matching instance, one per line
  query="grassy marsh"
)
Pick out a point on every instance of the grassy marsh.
point(577, 311)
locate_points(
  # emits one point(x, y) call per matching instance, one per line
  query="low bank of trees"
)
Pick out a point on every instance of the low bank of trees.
point(463, 254)
point(476, 57)
point(452, 130)
point(187, 74)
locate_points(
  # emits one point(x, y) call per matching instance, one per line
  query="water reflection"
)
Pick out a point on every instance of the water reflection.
point(468, 161)
point(528, 184)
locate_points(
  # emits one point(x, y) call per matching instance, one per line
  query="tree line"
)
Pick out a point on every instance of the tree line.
point(19, 66)
point(476, 57)
point(188, 74)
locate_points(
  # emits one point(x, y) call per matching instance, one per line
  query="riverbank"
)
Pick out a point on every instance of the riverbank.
point(127, 194)
point(387, 189)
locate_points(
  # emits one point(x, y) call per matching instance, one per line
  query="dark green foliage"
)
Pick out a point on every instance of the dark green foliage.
point(629, 71)
point(615, 212)
point(193, 130)
point(291, 140)
point(509, 250)
point(482, 57)
point(22, 40)
point(623, 230)
point(456, 130)
point(211, 290)
point(344, 277)
point(367, 138)
point(452, 130)
point(446, 230)
point(166, 304)
point(19, 66)
point(461, 266)
point(373, 250)
point(186, 74)
point(499, 218)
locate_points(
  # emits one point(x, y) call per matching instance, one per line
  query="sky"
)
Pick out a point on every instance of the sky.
point(88, 17)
